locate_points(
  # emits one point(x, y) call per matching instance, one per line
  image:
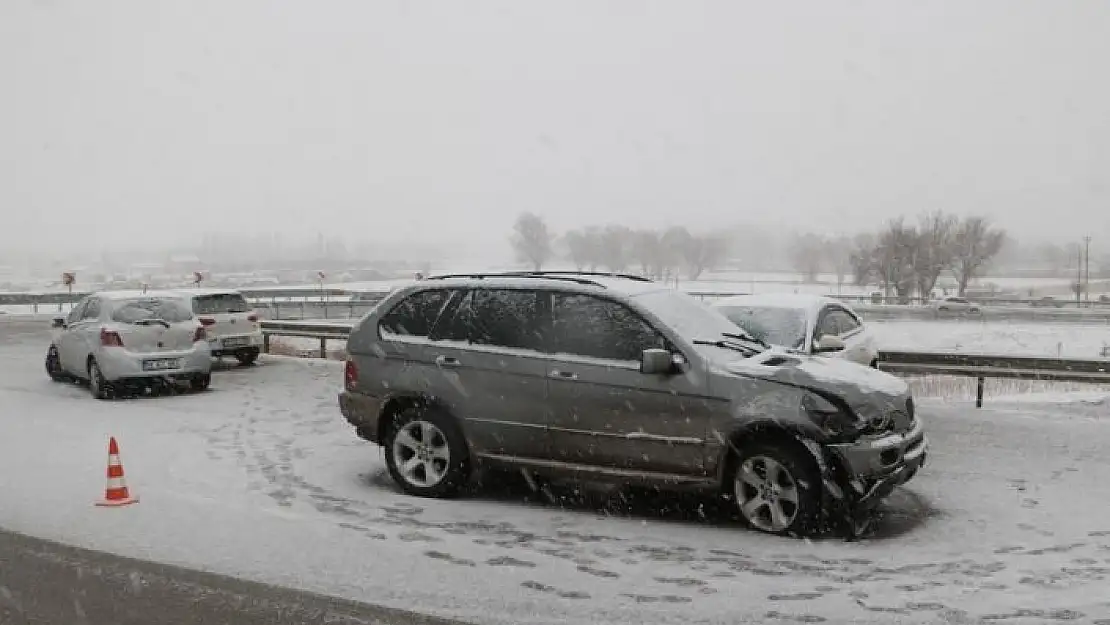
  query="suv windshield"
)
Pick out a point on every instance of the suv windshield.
point(220, 303)
point(168, 309)
point(686, 316)
point(778, 326)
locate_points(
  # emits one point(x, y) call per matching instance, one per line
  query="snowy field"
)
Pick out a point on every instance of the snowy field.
point(1066, 340)
point(261, 478)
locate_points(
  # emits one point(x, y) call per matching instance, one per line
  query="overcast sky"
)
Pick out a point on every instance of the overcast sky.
point(123, 121)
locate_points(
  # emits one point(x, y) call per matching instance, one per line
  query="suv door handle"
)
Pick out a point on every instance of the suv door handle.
point(447, 361)
point(563, 375)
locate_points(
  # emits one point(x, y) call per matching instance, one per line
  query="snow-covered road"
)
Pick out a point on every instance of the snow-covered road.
point(260, 478)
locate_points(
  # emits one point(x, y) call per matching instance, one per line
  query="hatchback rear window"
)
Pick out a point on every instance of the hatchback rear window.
point(220, 303)
point(169, 309)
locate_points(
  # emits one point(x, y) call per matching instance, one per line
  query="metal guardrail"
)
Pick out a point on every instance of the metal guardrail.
point(272, 303)
point(978, 366)
point(982, 366)
point(323, 331)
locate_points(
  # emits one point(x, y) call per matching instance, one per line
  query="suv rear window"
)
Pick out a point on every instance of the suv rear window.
point(170, 309)
point(416, 314)
point(220, 303)
point(500, 317)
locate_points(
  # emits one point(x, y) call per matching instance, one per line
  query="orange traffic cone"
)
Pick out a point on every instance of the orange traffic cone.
point(116, 494)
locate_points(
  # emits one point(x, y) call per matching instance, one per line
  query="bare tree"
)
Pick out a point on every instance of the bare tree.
point(706, 251)
point(697, 253)
point(807, 251)
point(861, 258)
point(974, 244)
point(579, 248)
point(531, 240)
point(615, 245)
point(645, 250)
point(933, 252)
point(887, 260)
point(838, 254)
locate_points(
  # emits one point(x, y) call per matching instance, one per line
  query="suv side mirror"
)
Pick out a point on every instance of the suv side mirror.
point(656, 362)
point(58, 322)
point(828, 343)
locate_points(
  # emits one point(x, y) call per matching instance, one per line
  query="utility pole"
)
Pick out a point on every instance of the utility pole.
point(1087, 268)
point(1078, 275)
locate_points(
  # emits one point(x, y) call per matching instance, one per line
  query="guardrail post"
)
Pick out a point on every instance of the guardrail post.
point(265, 343)
point(979, 392)
point(323, 347)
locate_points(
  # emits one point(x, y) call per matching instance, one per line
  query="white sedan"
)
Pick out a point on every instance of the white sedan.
point(116, 338)
point(953, 304)
point(809, 324)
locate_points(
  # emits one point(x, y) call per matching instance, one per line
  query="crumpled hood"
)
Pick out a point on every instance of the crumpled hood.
point(870, 393)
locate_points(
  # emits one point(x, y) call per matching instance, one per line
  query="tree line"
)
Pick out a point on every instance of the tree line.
point(657, 254)
point(904, 258)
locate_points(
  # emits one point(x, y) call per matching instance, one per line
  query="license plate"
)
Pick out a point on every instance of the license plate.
point(238, 341)
point(161, 364)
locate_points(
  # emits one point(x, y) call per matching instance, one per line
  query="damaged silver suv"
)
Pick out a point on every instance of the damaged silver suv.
point(618, 379)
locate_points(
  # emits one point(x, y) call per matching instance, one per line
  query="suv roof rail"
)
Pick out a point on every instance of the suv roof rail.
point(513, 274)
point(570, 276)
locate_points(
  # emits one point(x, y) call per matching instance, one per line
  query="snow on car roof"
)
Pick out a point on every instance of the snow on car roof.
point(208, 292)
point(798, 301)
point(120, 295)
point(602, 283)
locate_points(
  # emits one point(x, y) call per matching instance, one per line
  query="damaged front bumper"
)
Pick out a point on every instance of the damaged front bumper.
point(861, 474)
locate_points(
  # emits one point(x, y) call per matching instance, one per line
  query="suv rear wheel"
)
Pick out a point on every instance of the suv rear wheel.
point(776, 489)
point(426, 452)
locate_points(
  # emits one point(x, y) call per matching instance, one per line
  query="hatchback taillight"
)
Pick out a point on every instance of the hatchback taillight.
point(350, 375)
point(253, 317)
point(206, 321)
point(110, 338)
point(200, 335)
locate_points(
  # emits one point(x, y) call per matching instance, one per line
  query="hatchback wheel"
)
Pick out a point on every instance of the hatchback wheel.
point(200, 382)
point(54, 365)
point(247, 356)
point(426, 453)
point(98, 386)
point(776, 489)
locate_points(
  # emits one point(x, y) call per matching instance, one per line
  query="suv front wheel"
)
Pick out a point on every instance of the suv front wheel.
point(776, 489)
point(426, 452)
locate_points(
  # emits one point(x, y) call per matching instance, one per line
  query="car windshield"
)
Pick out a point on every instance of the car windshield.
point(689, 318)
point(168, 309)
point(220, 303)
point(778, 326)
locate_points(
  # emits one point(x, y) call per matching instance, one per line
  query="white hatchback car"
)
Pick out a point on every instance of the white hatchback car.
point(810, 324)
point(230, 322)
point(954, 304)
point(118, 338)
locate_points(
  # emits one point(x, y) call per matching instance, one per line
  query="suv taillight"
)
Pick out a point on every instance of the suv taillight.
point(206, 321)
point(350, 375)
point(109, 338)
point(200, 335)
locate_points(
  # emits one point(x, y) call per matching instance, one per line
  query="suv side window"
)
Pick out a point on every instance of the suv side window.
point(92, 309)
point(416, 314)
point(836, 322)
point(845, 322)
point(77, 312)
point(584, 325)
point(498, 317)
